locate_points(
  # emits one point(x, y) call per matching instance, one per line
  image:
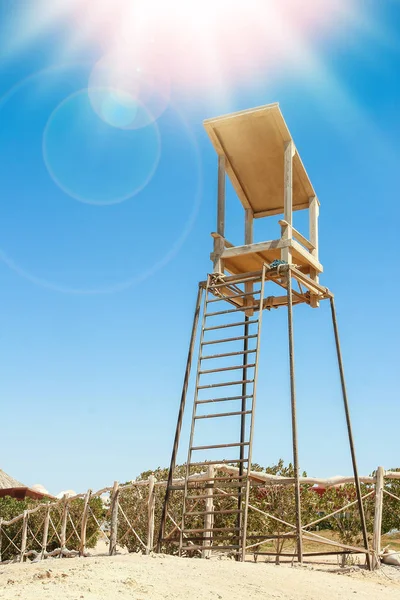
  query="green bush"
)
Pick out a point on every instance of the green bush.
point(11, 535)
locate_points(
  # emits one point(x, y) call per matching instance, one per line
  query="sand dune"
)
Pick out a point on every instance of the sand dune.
point(171, 578)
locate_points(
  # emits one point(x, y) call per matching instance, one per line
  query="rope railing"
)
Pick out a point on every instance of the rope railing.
point(125, 516)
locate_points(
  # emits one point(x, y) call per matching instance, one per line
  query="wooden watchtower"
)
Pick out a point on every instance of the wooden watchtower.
point(257, 152)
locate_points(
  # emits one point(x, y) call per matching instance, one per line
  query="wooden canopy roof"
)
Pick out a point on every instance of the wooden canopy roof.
point(252, 142)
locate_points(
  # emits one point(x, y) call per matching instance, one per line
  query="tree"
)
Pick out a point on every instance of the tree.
point(391, 506)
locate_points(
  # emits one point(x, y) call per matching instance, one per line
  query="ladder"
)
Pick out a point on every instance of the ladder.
point(226, 381)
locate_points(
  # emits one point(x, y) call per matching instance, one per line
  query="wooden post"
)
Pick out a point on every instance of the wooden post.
point(376, 545)
point(286, 253)
point(313, 220)
point(85, 516)
point(24, 535)
point(219, 242)
point(45, 532)
point(221, 196)
point(209, 517)
point(151, 514)
point(249, 229)
point(114, 519)
point(1, 539)
point(248, 239)
point(63, 535)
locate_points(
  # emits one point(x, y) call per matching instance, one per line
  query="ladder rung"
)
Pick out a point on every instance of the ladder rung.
point(226, 384)
point(215, 512)
point(228, 414)
point(228, 477)
point(215, 447)
point(256, 276)
point(228, 399)
point(215, 540)
point(215, 495)
point(231, 325)
point(209, 547)
point(233, 339)
point(233, 310)
point(227, 298)
point(289, 536)
point(219, 462)
point(224, 529)
point(228, 354)
point(235, 368)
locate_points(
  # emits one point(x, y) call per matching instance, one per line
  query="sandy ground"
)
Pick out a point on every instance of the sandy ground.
point(155, 577)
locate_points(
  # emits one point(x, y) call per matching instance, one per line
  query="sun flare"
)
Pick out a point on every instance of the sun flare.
point(148, 47)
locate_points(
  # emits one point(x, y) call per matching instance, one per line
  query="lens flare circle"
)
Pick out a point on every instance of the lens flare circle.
point(168, 254)
point(130, 89)
point(94, 162)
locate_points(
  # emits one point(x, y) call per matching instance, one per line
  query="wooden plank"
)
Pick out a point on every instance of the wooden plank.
point(221, 195)
point(311, 285)
point(254, 248)
point(287, 233)
point(228, 167)
point(376, 543)
point(278, 211)
point(313, 226)
point(249, 229)
point(253, 144)
point(298, 236)
point(307, 256)
point(248, 240)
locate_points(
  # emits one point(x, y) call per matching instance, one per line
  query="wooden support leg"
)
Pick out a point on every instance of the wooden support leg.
point(294, 420)
point(180, 416)
point(350, 434)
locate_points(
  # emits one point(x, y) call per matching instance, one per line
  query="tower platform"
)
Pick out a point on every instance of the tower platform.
point(257, 152)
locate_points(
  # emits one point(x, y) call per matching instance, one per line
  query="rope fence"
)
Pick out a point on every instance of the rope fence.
point(127, 516)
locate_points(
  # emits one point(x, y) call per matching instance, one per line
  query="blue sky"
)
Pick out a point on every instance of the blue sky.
point(104, 235)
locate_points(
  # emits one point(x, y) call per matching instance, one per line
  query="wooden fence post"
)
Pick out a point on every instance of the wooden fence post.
point(209, 517)
point(1, 539)
point(24, 535)
point(85, 516)
point(151, 514)
point(45, 532)
point(63, 535)
point(376, 545)
point(114, 519)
